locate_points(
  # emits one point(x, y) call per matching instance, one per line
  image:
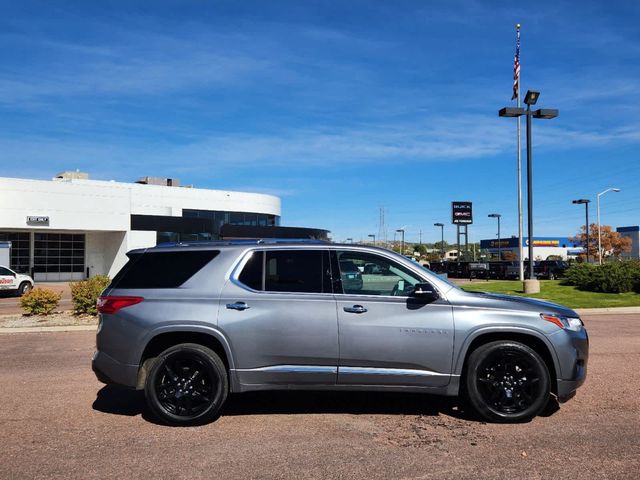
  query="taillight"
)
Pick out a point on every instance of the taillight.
point(111, 304)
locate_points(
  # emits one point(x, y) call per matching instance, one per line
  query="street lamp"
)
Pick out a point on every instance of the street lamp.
point(441, 225)
point(586, 204)
point(598, 209)
point(497, 215)
point(374, 239)
point(530, 98)
point(401, 230)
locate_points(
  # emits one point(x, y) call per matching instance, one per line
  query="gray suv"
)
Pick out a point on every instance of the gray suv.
point(189, 324)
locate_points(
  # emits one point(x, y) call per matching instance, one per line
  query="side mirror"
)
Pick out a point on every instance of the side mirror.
point(425, 291)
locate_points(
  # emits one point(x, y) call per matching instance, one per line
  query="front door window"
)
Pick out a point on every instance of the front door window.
point(364, 273)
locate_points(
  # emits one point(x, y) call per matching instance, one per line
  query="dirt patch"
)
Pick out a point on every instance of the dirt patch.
point(56, 319)
point(429, 431)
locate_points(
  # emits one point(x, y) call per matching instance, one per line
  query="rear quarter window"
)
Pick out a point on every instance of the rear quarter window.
point(162, 269)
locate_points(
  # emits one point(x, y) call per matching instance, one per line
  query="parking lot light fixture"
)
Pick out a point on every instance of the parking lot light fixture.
point(586, 228)
point(612, 189)
point(498, 216)
point(372, 236)
point(531, 98)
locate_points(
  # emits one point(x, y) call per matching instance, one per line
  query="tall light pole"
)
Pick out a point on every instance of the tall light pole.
point(497, 215)
point(586, 204)
point(531, 98)
point(613, 189)
point(441, 225)
point(401, 230)
point(374, 238)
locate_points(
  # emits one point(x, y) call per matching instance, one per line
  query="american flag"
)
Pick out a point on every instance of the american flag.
point(516, 67)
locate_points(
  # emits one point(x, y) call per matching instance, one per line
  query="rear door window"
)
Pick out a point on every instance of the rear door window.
point(303, 271)
point(162, 269)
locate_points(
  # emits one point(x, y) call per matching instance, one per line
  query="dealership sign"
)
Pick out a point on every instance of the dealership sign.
point(38, 221)
point(461, 213)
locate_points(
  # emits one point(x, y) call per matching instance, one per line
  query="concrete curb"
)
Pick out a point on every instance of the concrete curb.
point(53, 328)
point(618, 310)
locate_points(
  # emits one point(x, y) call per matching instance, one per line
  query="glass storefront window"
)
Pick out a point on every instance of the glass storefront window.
point(59, 253)
point(19, 250)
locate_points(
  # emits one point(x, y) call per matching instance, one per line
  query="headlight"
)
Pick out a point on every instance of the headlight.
point(567, 323)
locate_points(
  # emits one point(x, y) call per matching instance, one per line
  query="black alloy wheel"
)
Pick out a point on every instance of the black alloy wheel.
point(507, 382)
point(187, 385)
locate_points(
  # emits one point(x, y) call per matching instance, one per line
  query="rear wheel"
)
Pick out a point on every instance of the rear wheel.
point(507, 382)
point(187, 385)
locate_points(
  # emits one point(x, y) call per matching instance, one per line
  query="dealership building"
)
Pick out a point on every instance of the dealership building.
point(72, 227)
point(543, 247)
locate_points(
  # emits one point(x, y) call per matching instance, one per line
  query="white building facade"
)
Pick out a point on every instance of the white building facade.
point(72, 228)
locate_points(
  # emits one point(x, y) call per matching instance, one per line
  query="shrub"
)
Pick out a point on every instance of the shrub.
point(84, 294)
point(579, 275)
point(40, 301)
point(614, 277)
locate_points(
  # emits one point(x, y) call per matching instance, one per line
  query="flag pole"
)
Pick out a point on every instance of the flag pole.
point(520, 246)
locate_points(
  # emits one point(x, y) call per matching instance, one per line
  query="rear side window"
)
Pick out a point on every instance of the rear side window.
point(304, 271)
point(161, 269)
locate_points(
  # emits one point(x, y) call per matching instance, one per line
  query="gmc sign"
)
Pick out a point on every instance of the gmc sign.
point(461, 213)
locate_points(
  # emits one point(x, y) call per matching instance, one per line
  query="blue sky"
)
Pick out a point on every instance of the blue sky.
point(337, 107)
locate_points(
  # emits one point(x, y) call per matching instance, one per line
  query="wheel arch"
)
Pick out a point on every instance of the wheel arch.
point(161, 340)
point(529, 338)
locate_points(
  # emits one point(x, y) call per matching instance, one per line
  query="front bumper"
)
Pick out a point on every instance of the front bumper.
point(573, 354)
point(112, 372)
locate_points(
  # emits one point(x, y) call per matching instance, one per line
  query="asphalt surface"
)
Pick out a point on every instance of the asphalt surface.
point(57, 421)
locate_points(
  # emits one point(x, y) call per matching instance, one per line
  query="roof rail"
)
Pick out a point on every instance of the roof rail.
point(244, 241)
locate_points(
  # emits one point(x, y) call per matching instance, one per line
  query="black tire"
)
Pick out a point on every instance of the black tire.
point(186, 385)
point(506, 382)
point(24, 288)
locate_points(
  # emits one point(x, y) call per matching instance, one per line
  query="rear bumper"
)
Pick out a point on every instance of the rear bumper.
point(112, 372)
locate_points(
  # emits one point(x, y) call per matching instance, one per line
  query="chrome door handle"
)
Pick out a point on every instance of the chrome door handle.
point(355, 309)
point(237, 306)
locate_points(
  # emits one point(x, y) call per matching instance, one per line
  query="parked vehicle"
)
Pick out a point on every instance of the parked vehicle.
point(550, 269)
point(15, 283)
point(189, 324)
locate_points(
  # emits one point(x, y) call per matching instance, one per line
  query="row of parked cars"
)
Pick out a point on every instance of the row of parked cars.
point(544, 269)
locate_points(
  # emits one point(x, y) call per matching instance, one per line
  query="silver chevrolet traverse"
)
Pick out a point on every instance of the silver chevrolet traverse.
point(190, 323)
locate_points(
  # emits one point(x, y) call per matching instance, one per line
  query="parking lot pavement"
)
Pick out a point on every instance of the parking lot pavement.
point(10, 304)
point(57, 421)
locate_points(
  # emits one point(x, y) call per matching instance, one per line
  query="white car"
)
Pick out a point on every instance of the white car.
point(14, 282)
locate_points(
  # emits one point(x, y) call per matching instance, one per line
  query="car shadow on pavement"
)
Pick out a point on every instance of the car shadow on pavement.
point(121, 401)
point(305, 402)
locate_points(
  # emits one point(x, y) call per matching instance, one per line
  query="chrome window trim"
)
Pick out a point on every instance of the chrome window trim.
point(244, 258)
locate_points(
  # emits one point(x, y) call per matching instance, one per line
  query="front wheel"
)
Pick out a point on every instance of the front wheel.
point(186, 385)
point(24, 288)
point(507, 382)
